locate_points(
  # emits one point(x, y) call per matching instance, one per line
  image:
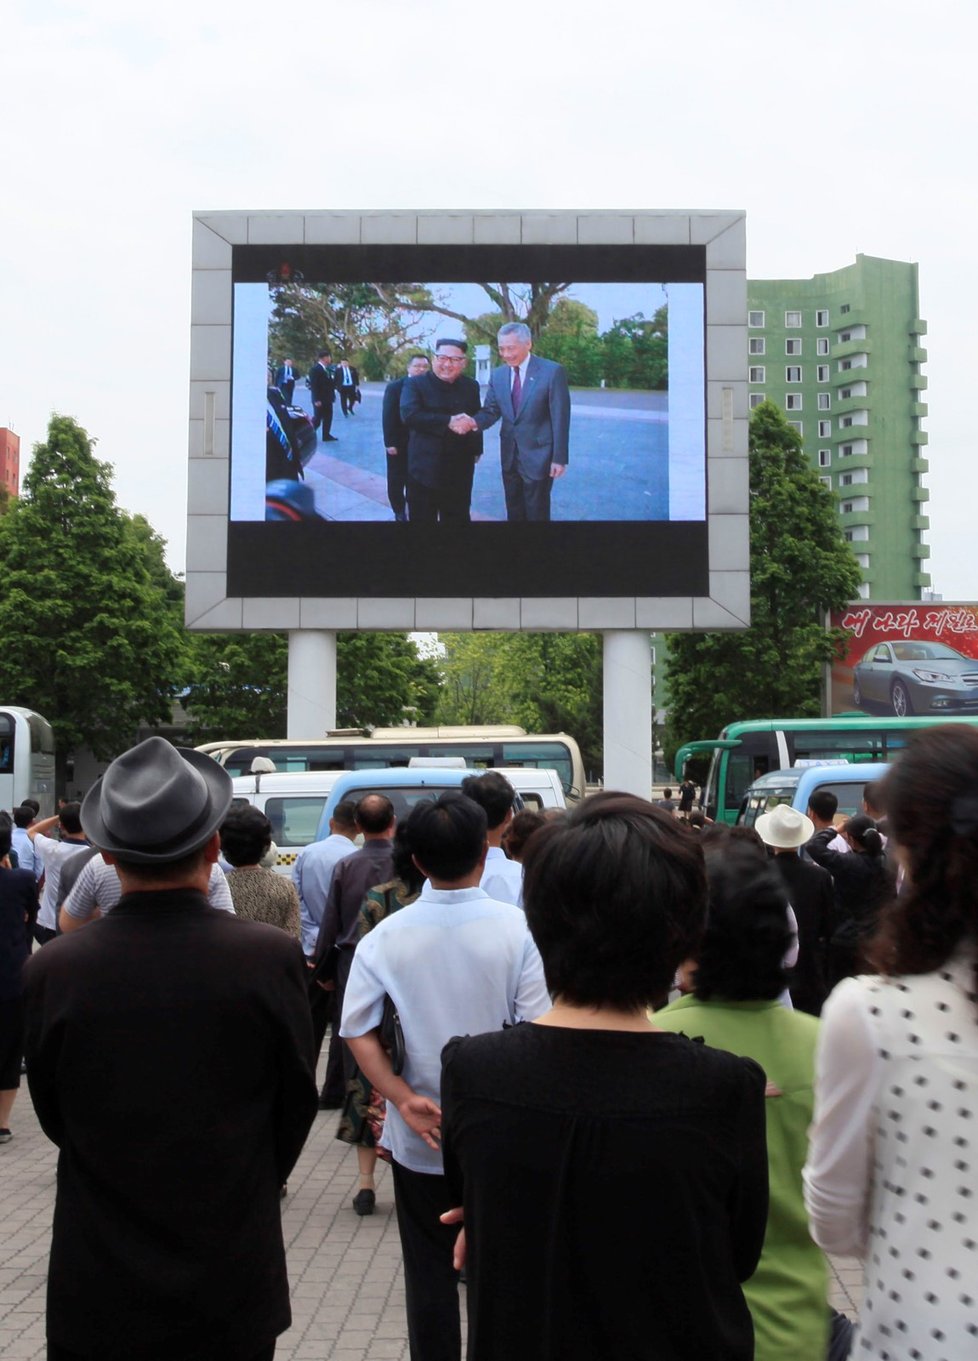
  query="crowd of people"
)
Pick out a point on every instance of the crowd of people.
point(634, 1075)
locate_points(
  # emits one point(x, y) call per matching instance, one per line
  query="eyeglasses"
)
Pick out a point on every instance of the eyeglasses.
point(451, 358)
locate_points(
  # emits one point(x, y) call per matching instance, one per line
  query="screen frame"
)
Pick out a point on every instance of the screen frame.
point(686, 574)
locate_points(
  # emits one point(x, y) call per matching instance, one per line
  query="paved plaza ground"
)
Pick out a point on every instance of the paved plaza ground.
point(345, 1272)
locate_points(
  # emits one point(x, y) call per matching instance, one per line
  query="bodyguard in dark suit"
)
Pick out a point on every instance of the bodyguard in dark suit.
point(811, 895)
point(396, 437)
point(531, 398)
point(347, 381)
point(322, 388)
point(169, 1049)
point(285, 376)
point(443, 444)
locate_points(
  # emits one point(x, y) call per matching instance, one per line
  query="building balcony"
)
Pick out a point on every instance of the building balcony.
point(920, 465)
point(921, 580)
point(917, 354)
point(850, 518)
point(918, 437)
point(843, 348)
point(918, 381)
point(920, 550)
point(921, 522)
point(920, 494)
point(919, 409)
point(918, 327)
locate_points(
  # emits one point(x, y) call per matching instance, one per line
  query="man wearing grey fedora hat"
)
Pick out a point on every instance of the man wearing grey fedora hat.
point(169, 1050)
point(811, 896)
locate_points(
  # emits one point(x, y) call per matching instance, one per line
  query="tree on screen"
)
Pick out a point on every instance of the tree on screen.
point(801, 567)
point(92, 635)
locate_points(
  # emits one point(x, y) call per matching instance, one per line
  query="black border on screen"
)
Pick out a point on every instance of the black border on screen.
point(560, 559)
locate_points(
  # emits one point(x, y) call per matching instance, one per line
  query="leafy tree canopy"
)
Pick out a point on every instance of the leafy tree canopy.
point(547, 682)
point(92, 637)
point(239, 683)
point(801, 567)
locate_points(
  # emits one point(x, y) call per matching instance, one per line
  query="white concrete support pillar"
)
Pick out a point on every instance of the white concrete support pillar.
point(312, 683)
point(628, 711)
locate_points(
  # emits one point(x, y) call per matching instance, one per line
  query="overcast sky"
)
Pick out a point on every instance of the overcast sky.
point(840, 128)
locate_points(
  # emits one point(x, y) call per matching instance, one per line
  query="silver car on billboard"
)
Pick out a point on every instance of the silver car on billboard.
point(915, 677)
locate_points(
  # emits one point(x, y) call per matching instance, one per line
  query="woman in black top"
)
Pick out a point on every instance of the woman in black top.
point(613, 1178)
point(863, 883)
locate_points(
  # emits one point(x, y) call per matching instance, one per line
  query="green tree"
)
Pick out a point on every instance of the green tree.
point(91, 636)
point(547, 682)
point(239, 685)
point(636, 352)
point(801, 567)
point(570, 337)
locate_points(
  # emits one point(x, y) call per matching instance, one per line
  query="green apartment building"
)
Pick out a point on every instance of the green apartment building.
point(841, 354)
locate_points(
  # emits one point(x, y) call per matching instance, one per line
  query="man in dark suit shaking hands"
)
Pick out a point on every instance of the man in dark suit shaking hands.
point(531, 398)
point(441, 455)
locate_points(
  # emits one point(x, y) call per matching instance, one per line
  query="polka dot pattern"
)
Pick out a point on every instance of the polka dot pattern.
point(921, 1288)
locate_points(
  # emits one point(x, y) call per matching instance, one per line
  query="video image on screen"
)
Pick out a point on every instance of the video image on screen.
point(456, 402)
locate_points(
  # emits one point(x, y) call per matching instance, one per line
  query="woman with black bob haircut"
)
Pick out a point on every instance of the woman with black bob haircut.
point(559, 1132)
point(738, 976)
point(863, 883)
point(258, 894)
point(891, 1171)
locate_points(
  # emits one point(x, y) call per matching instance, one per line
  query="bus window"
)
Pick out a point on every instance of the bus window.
point(849, 746)
point(743, 768)
point(543, 756)
point(295, 821)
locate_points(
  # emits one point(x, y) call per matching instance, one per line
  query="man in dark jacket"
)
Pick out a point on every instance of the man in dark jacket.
point(396, 437)
point(322, 390)
point(441, 454)
point(811, 895)
point(169, 1052)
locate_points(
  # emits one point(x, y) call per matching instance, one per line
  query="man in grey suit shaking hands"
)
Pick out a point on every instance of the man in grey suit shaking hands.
point(531, 398)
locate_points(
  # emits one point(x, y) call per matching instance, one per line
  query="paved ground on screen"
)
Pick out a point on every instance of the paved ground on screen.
point(347, 1287)
point(618, 461)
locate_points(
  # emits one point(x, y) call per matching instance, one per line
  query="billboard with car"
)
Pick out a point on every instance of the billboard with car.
point(907, 658)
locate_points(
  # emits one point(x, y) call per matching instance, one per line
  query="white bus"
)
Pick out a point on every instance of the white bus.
point(492, 747)
point(26, 759)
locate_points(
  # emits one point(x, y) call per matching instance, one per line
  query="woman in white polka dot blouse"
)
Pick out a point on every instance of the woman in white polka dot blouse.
point(892, 1173)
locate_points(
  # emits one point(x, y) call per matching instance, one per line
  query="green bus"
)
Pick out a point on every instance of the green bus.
point(753, 747)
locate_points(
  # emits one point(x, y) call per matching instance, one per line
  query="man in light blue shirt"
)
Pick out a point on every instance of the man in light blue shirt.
point(27, 857)
point(454, 962)
point(502, 878)
point(312, 872)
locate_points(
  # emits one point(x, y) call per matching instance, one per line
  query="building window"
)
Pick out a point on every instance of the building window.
point(848, 535)
point(755, 318)
point(756, 345)
point(845, 480)
point(845, 394)
point(822, 373)
point(822, 345)
point(792, 373)
point(846, 451)
point(846, 422)
point(757, 373)
point(844, 308)
point(755, 399)
point(824, 401)
point(847, 507)
point(796, 425)
point(824, 428)
point(792, 347)
point(826, 482)
point(844, 336)
point(822, 317)
point(792, 318)
point(824, 458)
point(792, 401)
point(845, 365)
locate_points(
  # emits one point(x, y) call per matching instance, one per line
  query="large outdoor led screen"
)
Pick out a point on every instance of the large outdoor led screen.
point(583, 476)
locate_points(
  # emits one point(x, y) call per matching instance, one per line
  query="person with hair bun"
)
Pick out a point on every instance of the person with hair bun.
point(612, 1178)
point(738, 976)
point(863, 882)
point(894, 1144)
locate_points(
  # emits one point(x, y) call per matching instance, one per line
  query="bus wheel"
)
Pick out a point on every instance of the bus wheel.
point(902, 705)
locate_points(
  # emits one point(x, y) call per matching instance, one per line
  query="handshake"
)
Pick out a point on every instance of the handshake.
point(462, 424)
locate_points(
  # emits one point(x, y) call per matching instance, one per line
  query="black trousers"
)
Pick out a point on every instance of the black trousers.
point(430, 1280)
point(323, 416)
point(347, 402)
point(448, 503)
point(397, 481)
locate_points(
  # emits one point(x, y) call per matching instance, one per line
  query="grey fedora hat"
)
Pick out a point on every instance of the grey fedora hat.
point(156, 803)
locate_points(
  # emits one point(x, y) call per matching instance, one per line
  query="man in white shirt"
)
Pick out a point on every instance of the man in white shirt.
point(52, 855)
point(502, 878)
point(454, 962)
point(97, 891)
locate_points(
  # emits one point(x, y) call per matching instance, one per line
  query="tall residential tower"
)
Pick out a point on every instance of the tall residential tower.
point(841, 354)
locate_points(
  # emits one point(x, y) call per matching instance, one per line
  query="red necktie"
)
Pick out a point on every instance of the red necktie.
point(517, 391)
